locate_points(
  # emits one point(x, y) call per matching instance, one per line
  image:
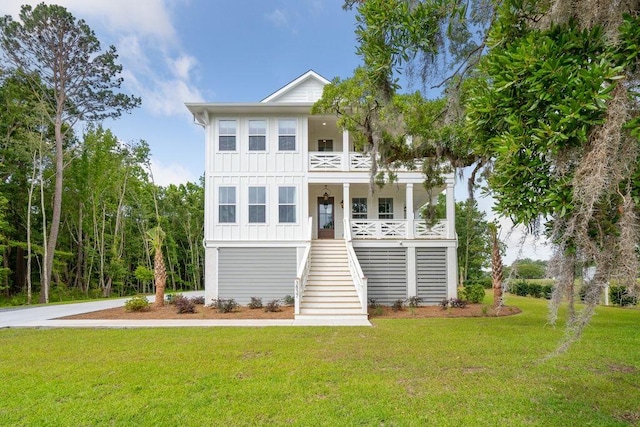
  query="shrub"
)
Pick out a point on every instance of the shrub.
point(171, 298)
point(414, 302)
point(397, 305)
point(225, 305)
point(272, 306)
point(520, 288)
point(547, 290)
point(618, 295)
point(289, 300)
point(453, 303)
point(198, 300)
point(485, 282)
point(373, 303)
point(137, 303)
point(255, 303)
point(472, 293)
point(184, 305)
point(535, 290)
point(457, 303)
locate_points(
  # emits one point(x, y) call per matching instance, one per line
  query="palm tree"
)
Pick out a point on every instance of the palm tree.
point(156, 238)
point(496, 266)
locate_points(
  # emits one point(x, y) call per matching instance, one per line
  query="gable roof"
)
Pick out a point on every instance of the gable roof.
point(299, 89)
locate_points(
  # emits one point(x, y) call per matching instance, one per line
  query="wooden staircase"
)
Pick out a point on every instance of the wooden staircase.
point(330, 291)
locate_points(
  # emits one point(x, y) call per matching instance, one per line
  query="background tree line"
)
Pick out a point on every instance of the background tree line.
point(76, 208)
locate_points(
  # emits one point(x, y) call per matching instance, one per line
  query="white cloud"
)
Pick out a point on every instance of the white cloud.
point(173, 173)
point(148, 17)
point(167, 97)
point(278, 18)
point(181, 66)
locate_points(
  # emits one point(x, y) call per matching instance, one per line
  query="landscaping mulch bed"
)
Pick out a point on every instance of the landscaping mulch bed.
point(169, 312)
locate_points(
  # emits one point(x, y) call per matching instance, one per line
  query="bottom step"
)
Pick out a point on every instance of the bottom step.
point(354, 317)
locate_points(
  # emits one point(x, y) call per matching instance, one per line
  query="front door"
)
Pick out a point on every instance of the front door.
point(326, 220)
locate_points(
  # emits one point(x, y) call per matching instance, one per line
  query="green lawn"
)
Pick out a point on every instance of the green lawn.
point(482, 371)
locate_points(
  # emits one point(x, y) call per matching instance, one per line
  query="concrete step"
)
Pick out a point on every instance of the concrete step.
point(351, 319)
point(329, 306)
point(331, 312)
point(351, 299)
point(333, 276)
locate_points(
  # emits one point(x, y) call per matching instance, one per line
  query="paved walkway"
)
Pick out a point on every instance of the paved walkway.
point(47, 317)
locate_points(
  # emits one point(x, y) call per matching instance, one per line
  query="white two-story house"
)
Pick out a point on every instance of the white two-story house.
point(289, 211)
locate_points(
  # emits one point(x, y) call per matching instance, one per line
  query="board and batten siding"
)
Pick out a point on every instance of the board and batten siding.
point(386, 271)
point(431, 269)
point(266, 273)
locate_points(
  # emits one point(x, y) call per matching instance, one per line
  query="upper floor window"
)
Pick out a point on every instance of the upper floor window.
point(287, 204)
point(385, 208)
point(257, 135)
point(359, 208)
point(227, 135)
point(257, 205)
point(227, 204)
point(287, 135)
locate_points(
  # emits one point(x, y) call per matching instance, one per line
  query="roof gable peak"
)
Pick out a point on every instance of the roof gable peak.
point(310, 79)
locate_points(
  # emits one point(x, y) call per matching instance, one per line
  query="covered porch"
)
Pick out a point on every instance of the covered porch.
point(392, 212)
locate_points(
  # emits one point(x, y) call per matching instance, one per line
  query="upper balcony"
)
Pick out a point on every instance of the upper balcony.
point(323, 161)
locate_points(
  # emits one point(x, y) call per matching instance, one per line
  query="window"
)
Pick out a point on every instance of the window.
point(287, 135)
point(257, 135)
point(227, 204)
point(257, 205)
point(287, 204)
point(227, 135)
point(359, 208)
point(325, 145)
point(385, 208)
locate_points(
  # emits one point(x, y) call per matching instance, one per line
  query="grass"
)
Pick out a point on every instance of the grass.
point(473, 371)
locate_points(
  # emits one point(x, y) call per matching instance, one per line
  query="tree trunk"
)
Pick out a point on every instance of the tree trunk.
point(45, 277)
point(57, 209)
point(496, 268)
point(160, 274)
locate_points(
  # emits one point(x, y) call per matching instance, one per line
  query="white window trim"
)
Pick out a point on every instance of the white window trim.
point(218, 134)
point(265, 204)
point(392, 213)
point(266, 134)
point(296, 204)
point(366, 203)
point(218, 204)
point(297, 134)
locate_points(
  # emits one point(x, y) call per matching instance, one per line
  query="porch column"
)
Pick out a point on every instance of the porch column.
point(346, 161)
point(452, 272)
point(409, 207)
point(346, 211)
point(412, 275)
point(451, 209)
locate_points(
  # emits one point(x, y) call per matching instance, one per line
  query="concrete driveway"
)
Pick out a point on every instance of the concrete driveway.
point(47, 317)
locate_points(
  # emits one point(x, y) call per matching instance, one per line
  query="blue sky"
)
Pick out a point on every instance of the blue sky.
point(177, 51)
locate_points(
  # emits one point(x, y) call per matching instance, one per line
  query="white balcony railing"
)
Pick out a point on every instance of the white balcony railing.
point(359, 279)
point(397, 229)
point(325, 161)
point(300, 281)
point(321, 161)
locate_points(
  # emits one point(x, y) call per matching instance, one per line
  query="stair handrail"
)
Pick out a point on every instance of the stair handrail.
point(357, 275)
point(302, 273)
